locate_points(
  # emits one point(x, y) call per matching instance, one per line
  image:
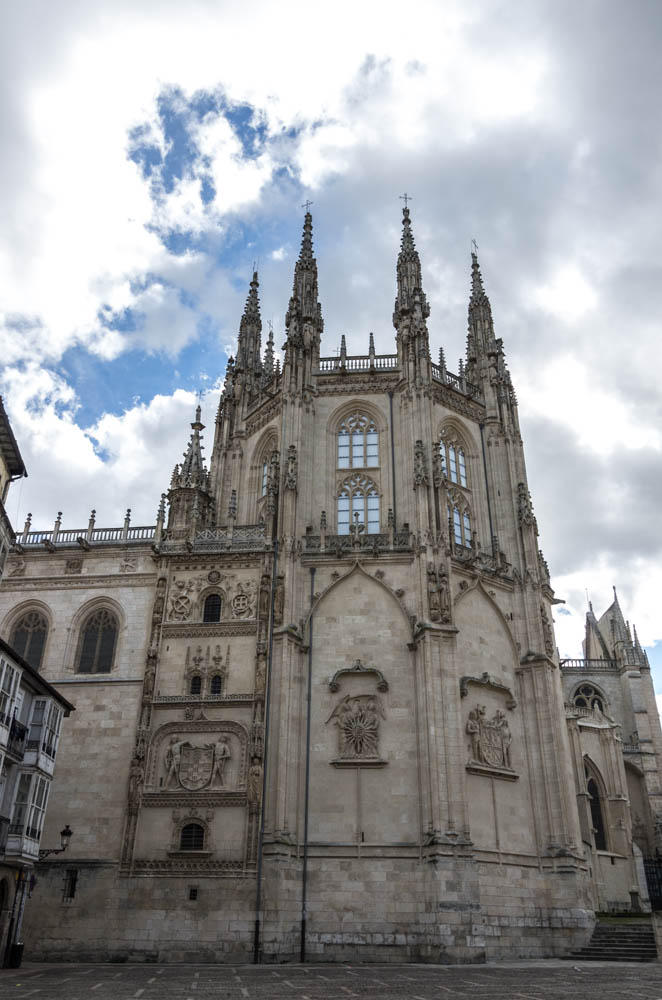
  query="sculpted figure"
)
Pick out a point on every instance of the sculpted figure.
point(279, 600)
point(433, 594)
point(473, 729)
point(173, 759)
point(221, 756)
point(254, 787)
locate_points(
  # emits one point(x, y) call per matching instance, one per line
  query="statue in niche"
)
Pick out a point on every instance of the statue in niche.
point(548, 635)
point(222, 755)
point(279, 600)
point(357, 718)
point(439, 598)
point(136, 773)
point(490, 740)
point(254, 785)
point(265, 587)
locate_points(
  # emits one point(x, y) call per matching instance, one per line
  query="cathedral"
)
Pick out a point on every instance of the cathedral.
point(319, 710)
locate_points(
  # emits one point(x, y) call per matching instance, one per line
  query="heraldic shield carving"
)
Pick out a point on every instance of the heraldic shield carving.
point(490, 739)
point(195, 767)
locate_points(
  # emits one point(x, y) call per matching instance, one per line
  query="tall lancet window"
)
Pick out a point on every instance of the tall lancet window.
point(459, 521)
point(265, 478)
point(358, 502)
point(453, 461)
point(358, 443)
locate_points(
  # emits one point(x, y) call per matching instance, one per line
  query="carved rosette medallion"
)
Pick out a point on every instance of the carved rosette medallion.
point(357, 718)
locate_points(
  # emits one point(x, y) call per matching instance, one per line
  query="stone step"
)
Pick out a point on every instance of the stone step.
point(624, 942)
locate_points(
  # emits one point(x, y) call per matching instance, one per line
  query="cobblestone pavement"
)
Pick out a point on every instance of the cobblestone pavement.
point(550, 980)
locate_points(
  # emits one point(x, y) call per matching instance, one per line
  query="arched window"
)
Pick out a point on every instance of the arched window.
point(264, 478)
point(216, 684)
point(29, 637)
point(358, 501)
point(358, 443)
point(196, 684)
point(587, 696)
point(96, 647)
point(597, 818)
point(212, 608)
point(453, 461)
point(192, 837)
point(459, 521)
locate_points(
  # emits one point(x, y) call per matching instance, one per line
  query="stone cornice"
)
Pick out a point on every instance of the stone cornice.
point(198, 630)
point(78, 582)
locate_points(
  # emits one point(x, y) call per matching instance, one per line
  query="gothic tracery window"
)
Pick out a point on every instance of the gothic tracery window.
point(196, 684)
point(358, 443)
point(216, 684)
point(358, 501)
point(96, 646)
point(453, 460)
point(587, 696)
point(28, 637)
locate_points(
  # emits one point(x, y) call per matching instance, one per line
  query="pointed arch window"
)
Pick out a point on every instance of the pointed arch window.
point(453, 461)
point(216, 684)
point(358, 443)
point(597, 813)
point(196, 684)
point(98, 639)
point(358, 501)
point(28, 637)
point(264, 478)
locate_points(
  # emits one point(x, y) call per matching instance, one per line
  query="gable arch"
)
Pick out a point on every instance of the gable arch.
point(478, 586)
point(15, 614)
point(452, 428)
point(77, 623)
point(39, 623)
point(358, 568)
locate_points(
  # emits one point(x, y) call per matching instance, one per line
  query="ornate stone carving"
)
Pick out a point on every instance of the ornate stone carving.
point(358, 668)
point(357, 719)
point(254, 783)
point(486, 680)
point(244, 600)
point(181, 600)
point(525, 507)
point(490, 740)
point(420, 470)
point(128, 564)
point(73, 566)
point(291, 473)
point(16, 566)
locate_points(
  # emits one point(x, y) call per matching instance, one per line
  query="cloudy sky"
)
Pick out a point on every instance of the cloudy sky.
point(152, 151)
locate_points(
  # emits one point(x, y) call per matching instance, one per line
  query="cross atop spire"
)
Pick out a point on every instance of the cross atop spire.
point(405, 197)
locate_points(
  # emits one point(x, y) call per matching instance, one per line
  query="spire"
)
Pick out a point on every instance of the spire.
point(249, 346)
point(304, 316)
point(192, 471)
point(268, 366)
point(409, 279)
point(480, 335)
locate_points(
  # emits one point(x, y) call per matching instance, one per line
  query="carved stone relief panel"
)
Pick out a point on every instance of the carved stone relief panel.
point(198, 756)
point(357, 719)
point(490, 742)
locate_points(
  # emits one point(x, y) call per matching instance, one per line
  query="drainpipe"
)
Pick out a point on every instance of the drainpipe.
point(304, 875)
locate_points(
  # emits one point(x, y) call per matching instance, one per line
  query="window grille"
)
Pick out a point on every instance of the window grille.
point(358, 496)
point(212, 609)
point(192, 837)
point(358, 443)
point(453, 462)
point(586, 696)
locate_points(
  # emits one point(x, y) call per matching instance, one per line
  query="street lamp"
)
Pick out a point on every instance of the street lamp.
point(65, 837)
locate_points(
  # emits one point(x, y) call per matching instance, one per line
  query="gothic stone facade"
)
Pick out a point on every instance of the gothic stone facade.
point(319, 705)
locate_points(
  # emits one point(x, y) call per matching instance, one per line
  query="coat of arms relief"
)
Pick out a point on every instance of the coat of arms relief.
point(357, 718)
point(490, 741)
point(197, 767)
